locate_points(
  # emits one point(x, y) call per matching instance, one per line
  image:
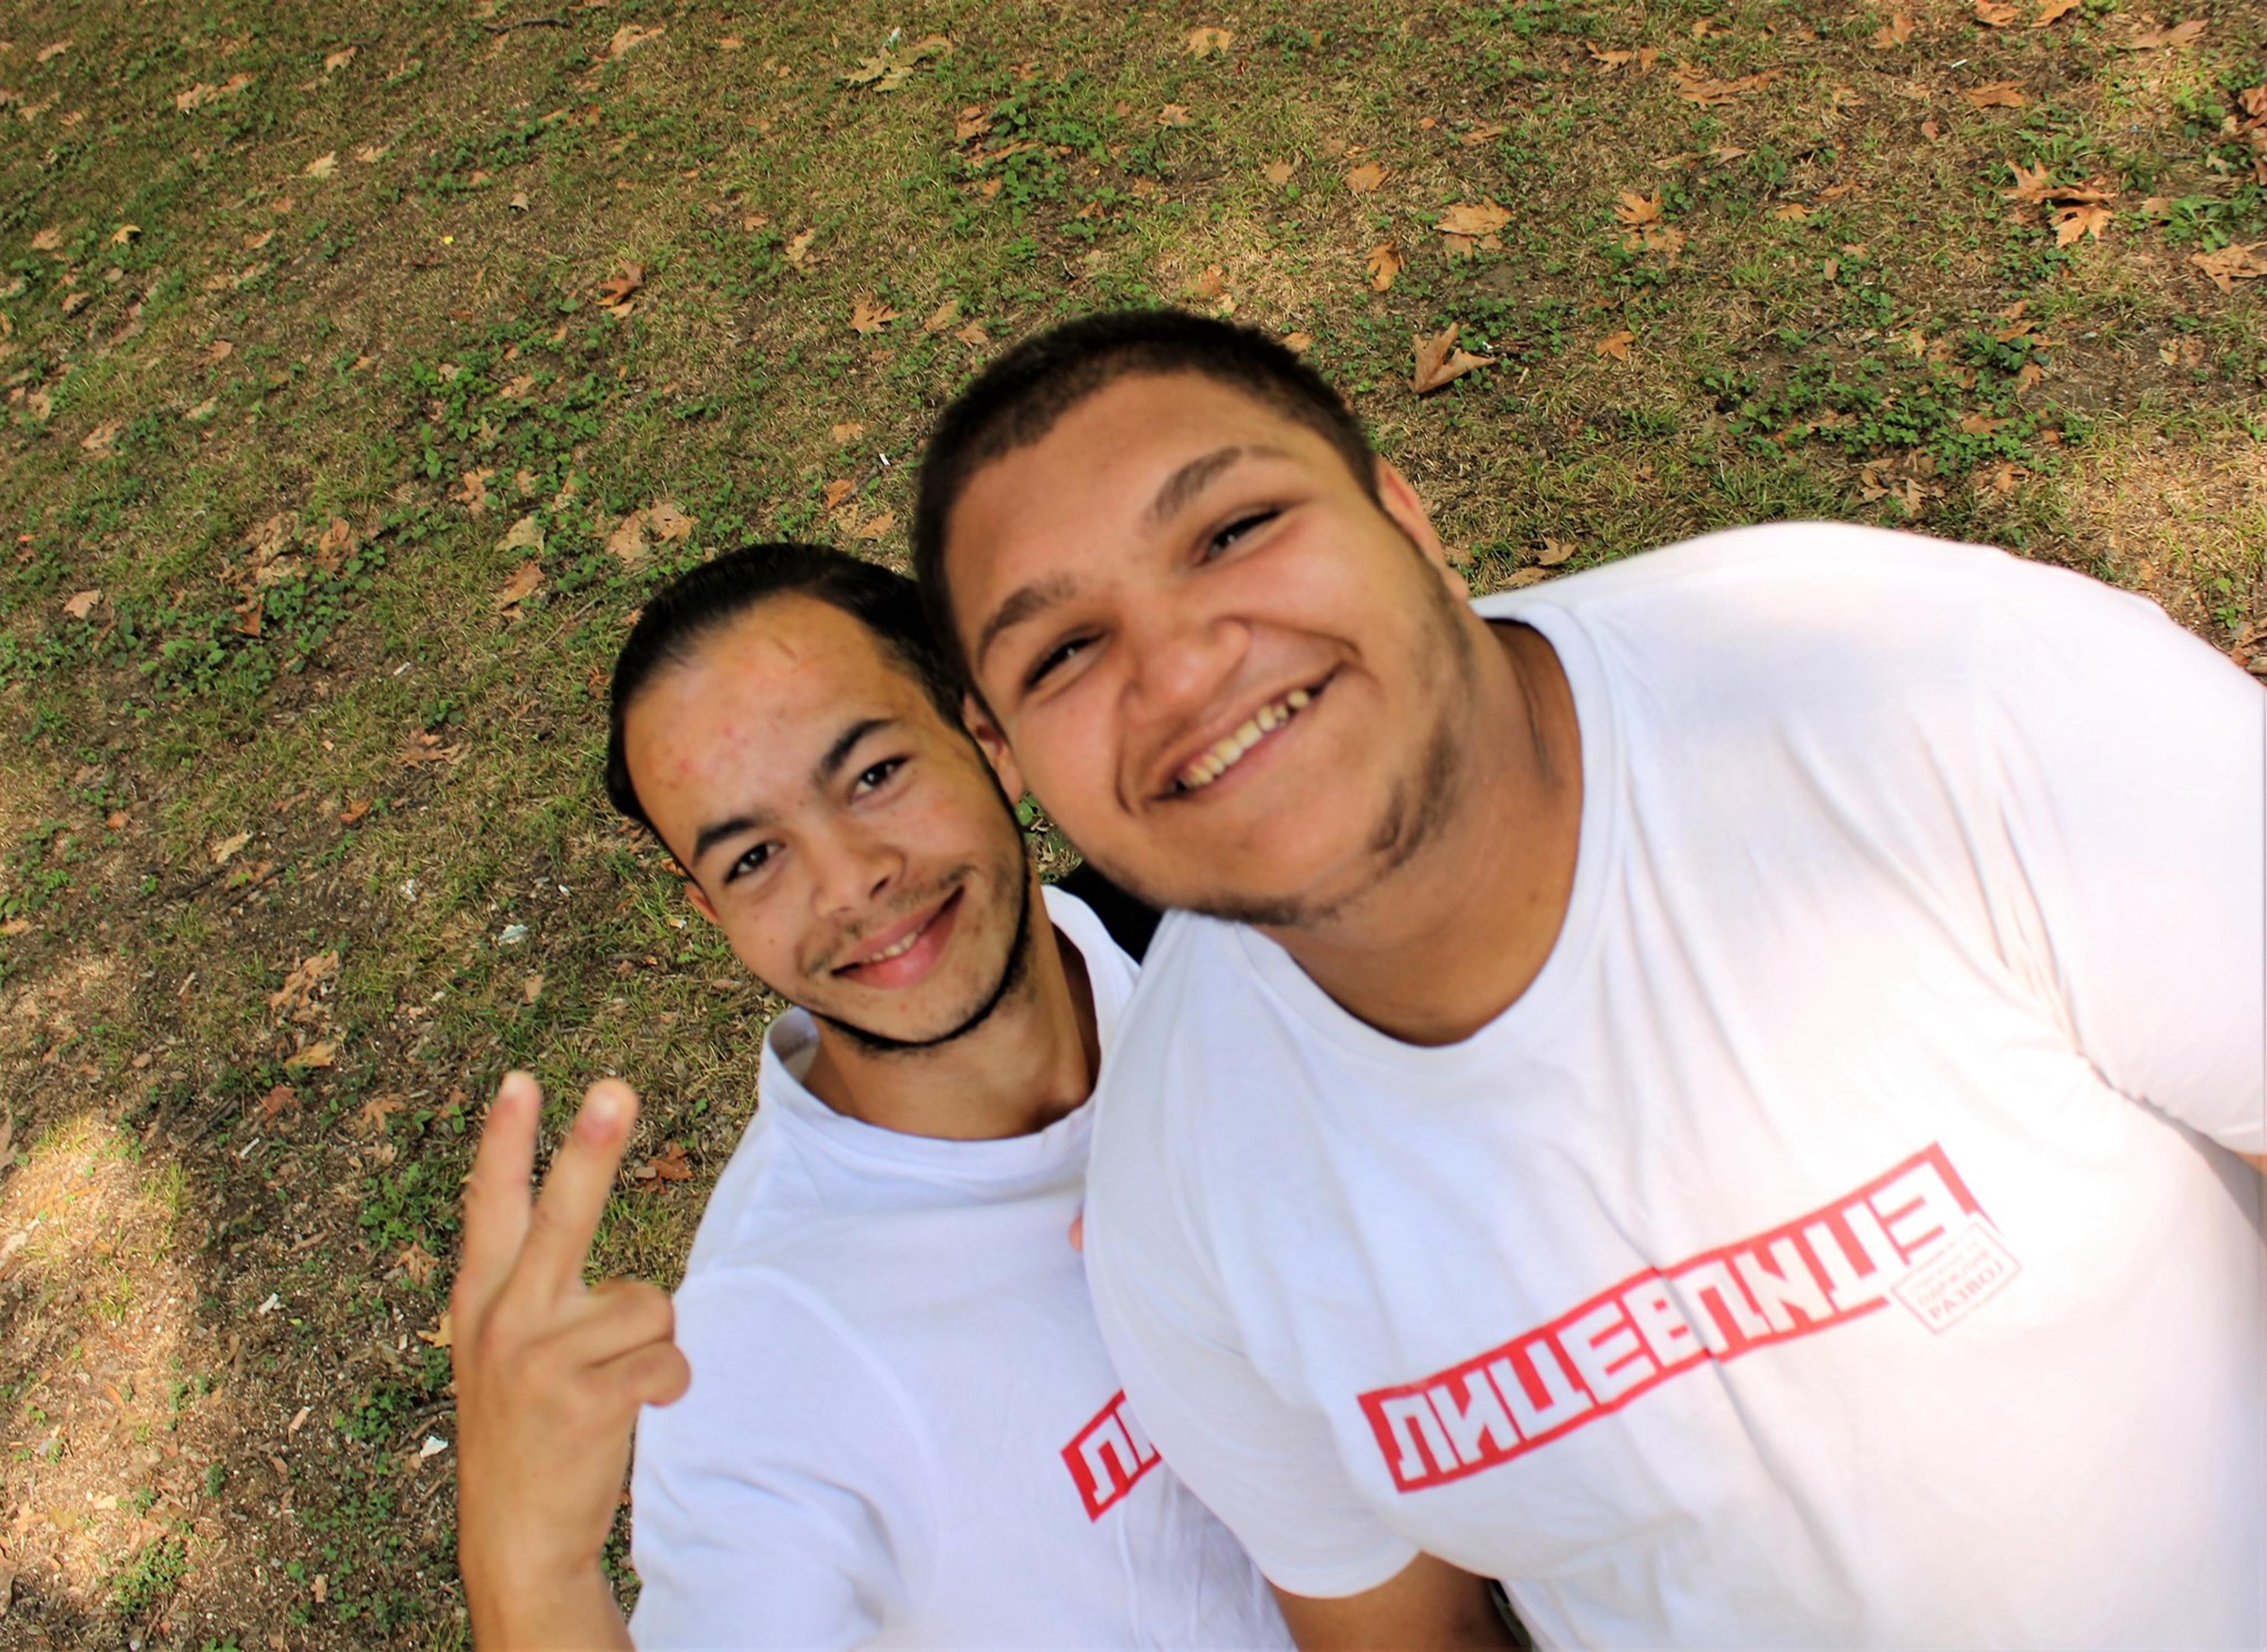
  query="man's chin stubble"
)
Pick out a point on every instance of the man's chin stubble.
point(1013, 972)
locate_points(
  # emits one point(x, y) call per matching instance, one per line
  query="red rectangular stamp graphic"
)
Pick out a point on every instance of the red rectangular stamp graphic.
point(1915, 1231)
point(1109, 1455)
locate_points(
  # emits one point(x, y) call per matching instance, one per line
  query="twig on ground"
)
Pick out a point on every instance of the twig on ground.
point(525, 23)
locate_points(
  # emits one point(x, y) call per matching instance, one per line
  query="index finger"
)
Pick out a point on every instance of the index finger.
point(497, 1195)
point(574, 1196)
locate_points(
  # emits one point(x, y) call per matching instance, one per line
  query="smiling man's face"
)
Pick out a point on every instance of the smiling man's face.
point(852, 845)
point(1234, 678)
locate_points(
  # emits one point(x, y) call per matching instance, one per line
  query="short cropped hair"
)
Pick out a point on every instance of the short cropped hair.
point(1017, 400)
point(703, 600)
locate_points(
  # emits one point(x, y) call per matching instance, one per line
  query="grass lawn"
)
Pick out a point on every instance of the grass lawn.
point(365, 366)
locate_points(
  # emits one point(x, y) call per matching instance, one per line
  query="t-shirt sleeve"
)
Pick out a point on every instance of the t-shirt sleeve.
point(2128, 757)
point(1267, 1466)
point(781, 1503)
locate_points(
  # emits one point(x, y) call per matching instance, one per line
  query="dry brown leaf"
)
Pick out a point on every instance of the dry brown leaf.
point(370, 1117)
point(628, 544)
point(1173, 114)
point(299, 986)
point(50, 53)
point(322, 1053)
point(1211, 283)
point(425, 747)
point(526, 534)
point(1521, 578)
point(1298, 343)
point(2235, 263)
point(1998, 94)
point(619, 291)
point(124, 233)
point(418, 1263)
point(837, 491)
point(2027, 377)
point(669, 523)
point(1553, 553)
point(2072, 223)
point(99, 439)
point(197, 97)
point(1609, 60)
point(334, 544)
point(669, 1164)
point(2054, 11)
point(49, 240)
point(1384, 262)
point(1365, 177)
point(1277, 173)
point(442, 1335)
point(75, 301)
point(972, 122)
point(850, 430)
point(1657, 238)
point(1616, 345)
point(1485, 219)
point(1480, 135)
point(869, 314)
point(79, 604)
point(322, 165)
point(1440, 362)
point(797, 250)
point(629, 37)
point(2155, 38)
point(281, 1098)
point(1208, 42)
point(472, 492)
point(1794, 212)
point(974, 337)
point(876, 527)
point(1696, 85)
point(728, 43)
point(334, 61)
point(531, 989)
point(1897, 31)
point(1998, 14)
point(1634, 209)
point(943, 318)
point(524, 581)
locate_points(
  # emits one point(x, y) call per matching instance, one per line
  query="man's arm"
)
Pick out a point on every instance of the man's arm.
point(550, 1376)
point(1427, 1606)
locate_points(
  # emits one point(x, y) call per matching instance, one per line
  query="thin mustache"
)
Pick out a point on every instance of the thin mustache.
point(849, 944)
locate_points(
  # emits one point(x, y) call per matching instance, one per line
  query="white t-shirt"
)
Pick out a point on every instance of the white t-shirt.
point(903, 1429)
point(1824, 1250)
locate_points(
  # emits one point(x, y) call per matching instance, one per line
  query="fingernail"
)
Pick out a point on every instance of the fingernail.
point(604, 1108)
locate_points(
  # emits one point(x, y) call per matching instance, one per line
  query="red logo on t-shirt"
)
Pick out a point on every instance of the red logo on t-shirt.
point(1915, 1234)
point(1109, 1455)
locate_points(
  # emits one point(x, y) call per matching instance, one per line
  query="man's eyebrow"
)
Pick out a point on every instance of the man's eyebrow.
point(710, 835)
point(1194, 478)
point(1023, 604)
point(846, 742)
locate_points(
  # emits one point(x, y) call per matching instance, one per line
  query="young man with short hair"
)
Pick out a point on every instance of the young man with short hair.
point(1710, 1090)
point(884, 1415)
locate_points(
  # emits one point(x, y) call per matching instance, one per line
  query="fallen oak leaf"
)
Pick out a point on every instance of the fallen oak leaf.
point(628, 544)
point(2072, 223)
point(442, 1335)
point(334, 61)
point(79, 604)
point(669, 523)
point(1480, 135)
point(1486, 219)
point(522, 584)
point(1998, 14)
point(1298, 343)
point(1440, 362)
point(797, 250)
point(526, 534)
point(1208, 42)
point(472, 492)
point(2054, 11)
point(943, 318)
point(619, 291)
point(1553, 553)
point(322, 165)
point(868, 314)
point(850, 430)
point(1898, 31)
point(629, 37)
point(2157, 39)
point(1634, 209)
point(1616, 345)
point(669, 1164)
point(1998, 94)
point(2247, 261)
point(1384, 263)
point(322, 1053)
point(972, 122)
point(878, 528)
point(1277, 173)
point(1173, 114)
point(1365, 177)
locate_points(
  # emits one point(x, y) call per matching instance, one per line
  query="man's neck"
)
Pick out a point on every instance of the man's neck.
point(1032, 1060)
point(1450, 940)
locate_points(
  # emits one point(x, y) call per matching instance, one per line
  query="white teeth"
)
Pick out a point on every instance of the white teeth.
point(896, 949)
point(1223, 754)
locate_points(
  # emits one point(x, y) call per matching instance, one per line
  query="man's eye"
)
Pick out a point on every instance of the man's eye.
point(1059, 655)
point(1238, 528)
point(753, 860)
point(869, 780)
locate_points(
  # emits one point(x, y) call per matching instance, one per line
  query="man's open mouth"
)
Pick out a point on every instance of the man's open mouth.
point(898, 945)
point(1216, 760)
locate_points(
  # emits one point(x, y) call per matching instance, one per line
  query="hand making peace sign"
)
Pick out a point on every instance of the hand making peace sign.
point(550, 1375)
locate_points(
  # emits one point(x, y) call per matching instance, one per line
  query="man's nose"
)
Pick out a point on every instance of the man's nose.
point(1180, 655)
point(850, 869)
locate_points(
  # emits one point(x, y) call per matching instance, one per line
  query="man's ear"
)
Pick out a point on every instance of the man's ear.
point(1400, 501)
point(984, 730)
